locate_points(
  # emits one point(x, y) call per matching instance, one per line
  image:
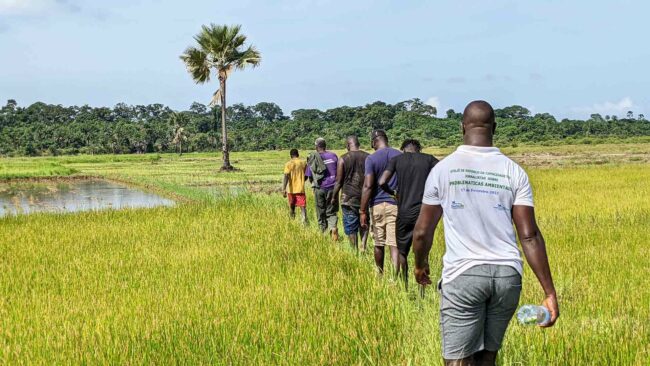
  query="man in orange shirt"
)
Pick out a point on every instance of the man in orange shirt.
point(293, 184)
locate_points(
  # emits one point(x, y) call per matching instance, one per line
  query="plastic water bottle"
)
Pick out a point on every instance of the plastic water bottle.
point(533, 314)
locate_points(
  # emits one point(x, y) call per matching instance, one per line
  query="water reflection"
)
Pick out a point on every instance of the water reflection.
point(82, 195)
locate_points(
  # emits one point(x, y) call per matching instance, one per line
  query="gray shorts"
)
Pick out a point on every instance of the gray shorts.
point(476, 308)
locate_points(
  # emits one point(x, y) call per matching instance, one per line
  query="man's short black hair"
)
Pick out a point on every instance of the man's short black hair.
point(411, 142)
point(378, 134)
point(294, 153)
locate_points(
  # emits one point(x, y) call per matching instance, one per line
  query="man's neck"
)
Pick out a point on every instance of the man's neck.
point(381, 146)
point(479, 141)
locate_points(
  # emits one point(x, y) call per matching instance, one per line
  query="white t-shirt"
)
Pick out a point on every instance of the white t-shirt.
point(477, 187)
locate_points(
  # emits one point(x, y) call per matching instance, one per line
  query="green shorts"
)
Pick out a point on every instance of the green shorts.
point(475, 309)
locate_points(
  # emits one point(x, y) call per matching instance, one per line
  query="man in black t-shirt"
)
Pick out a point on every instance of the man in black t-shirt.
point(349, 181)
point(412, 169)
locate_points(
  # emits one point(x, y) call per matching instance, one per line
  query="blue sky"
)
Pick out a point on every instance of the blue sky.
point(569, 58)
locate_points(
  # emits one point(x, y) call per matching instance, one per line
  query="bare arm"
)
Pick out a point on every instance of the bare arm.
point(534, 248)
point(385, 178)
point(308, 172)
point(425, 228)
point(368, 182)
point(285, 180)
point(340, 172)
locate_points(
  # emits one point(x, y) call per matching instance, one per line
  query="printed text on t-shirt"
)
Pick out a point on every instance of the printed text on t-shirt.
point(471, 177)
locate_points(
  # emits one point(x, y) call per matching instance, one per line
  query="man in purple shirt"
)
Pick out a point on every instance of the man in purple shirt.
point(383, 206)
point(322, 175)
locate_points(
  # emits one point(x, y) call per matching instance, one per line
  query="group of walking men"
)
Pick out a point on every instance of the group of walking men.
point(365, 187)
point(402, 195)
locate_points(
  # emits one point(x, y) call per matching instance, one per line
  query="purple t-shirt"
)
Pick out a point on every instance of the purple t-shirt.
point(376, 163)
point(331, 160)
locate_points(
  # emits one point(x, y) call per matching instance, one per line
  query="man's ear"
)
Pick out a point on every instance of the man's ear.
point(494, 127)
point(462, 128)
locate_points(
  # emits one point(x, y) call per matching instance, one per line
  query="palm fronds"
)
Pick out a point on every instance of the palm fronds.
point(219, 47)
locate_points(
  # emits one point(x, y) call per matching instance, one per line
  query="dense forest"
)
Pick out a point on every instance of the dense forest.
point(44, 129)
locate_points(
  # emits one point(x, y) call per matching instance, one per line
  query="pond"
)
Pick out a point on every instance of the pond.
point(73, 196)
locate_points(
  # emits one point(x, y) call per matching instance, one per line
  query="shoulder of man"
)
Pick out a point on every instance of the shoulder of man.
point(512, 164)
point(396, 163)
point(328, 155)
point(451, 156)
point(518, 168)
point(368, 162)
point(396, 159)
point(510, 161)
point(432, 159)
point(440, 165)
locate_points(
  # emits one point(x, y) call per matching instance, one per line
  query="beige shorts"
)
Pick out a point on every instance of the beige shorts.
point(384, 217)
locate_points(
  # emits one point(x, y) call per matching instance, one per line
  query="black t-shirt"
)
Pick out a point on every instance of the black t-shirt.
point(412, 170)
point(354, 163)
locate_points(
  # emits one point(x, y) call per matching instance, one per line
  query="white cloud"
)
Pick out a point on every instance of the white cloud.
point(619, 108)
point(435, 102)
point(19, 7)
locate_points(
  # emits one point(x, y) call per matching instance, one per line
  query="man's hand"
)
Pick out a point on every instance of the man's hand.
point(422, 275)
point(366, 192)
point(550, 302)
point(285, 182)
point(534, 247)
point(334, 201)
point(423, 232)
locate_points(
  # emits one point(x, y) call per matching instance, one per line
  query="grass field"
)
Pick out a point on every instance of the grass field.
point(224, 278)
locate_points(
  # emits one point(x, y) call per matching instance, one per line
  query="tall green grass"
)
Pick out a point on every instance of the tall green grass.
point(228, 279)
point(226, 283)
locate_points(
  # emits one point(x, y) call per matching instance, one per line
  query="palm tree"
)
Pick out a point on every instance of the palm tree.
point(220, 47)
point(178, 122)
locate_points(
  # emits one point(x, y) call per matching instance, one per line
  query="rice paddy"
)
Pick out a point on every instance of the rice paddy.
point(224, 277)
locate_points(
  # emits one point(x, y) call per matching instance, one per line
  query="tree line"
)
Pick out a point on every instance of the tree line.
point(45, 129)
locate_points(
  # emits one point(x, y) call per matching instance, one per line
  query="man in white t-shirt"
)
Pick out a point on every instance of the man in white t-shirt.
point(479, 192)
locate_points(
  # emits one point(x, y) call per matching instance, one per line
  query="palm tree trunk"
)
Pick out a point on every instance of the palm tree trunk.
point(224, 133)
